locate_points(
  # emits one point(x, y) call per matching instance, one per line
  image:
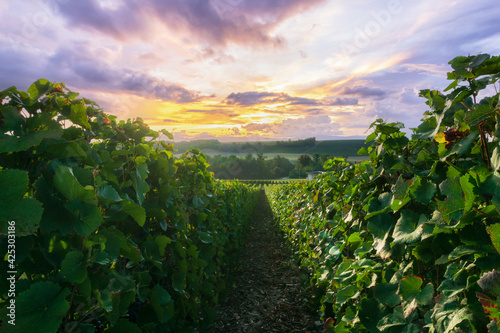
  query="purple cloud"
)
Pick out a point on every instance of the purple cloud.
point(216, 22)
point(364, 92)
point(251, 98)
point(76, 62)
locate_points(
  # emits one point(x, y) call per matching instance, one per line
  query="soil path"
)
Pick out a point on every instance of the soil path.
point(268, 295)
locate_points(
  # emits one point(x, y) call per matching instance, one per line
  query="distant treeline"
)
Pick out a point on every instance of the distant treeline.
point(301, 146)
point(249, 167)
point(242, 147)
point(259, 167)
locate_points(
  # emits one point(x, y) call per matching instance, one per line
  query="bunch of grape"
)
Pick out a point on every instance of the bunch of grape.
point(99, 327)
point(133, 310)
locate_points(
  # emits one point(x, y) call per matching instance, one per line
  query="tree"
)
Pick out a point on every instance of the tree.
point(316, 162)
point(303, 161)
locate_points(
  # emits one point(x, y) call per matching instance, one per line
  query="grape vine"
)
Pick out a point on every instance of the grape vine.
point(410, 240)
point(112, 232)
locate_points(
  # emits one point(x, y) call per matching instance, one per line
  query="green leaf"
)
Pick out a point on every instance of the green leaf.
point(370, 313)
point(453, 207)
point(381, 205)
point(12, 119)
point(423, 190)
point(409, 287)
point(394, 319)
point(167, 134)
point(425, 296)
point(162, 242)
point(428, 128)
point(412, 294)
point(179, 281)
point(39, 88)
point(162, 303)
point(25, 212)
point(363, 151)
point(139, 181)
point(386, 293)
point(66, 182)
point(143, 150)
point(371, 137)
point(74, 267)
point(14, 185)
point(89, 217)
point(409, 227)
point(380, 225)
point(78, 115)
point(345, 294)
point(488, 66)
point(401, 194)
point(452, 85)
point(10, 143)
point(459, 62)
point(137, 212)
point(457, 317)
point(468, 189)
point(123, 326)
point(39, 309)
point(67, 217)
point(65, 149)
point(205, 237)
point(478, 60)
point(451, 288)
point(495, 159)
point(494, 231)
point(197, 202)
point(478, 114)
point(107, 191)
point(461, 251)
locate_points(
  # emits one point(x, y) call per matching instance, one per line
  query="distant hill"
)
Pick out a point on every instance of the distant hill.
point(305, 146)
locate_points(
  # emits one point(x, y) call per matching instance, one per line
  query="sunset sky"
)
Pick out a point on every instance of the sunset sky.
point(246, 69)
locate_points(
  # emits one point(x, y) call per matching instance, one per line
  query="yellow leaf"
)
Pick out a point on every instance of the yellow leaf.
point(440, 138)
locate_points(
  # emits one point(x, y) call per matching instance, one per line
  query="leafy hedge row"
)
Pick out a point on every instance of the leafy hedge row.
point(409, 241)
point(113, 232)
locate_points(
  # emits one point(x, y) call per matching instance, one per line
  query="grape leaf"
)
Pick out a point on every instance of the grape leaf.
point(453, 207)
point(137, 212)
point(409, 227)
point(423, 190)
point(74, 266)
point(386, 293)
point(494, 231)
point(41, 308)
point(123, 326)
point(162, 304)
point(401, 193)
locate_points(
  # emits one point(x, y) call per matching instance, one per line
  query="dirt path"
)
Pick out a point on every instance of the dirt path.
point(268, 295)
